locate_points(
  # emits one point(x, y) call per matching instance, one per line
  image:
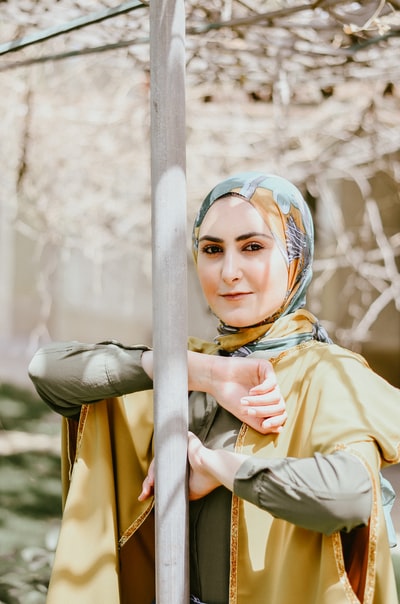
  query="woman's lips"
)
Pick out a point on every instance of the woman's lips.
point(234, 296)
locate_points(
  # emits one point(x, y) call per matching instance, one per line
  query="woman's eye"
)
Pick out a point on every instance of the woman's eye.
point(211, 249)
point(253, 247)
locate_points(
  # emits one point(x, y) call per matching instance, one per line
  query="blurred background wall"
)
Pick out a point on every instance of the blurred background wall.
point(75, 234)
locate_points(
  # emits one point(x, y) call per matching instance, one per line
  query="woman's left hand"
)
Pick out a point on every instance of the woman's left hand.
point(210, 468)
point(201, 482)
point(148, 484)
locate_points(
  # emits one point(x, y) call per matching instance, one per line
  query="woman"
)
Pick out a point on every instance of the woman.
point(300, 444)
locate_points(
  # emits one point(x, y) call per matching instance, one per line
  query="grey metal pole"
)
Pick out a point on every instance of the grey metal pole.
point(167, 87)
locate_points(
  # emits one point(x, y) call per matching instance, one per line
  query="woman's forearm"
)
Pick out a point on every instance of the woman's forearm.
point(199, 370)
point(69, 374)
point(246, 387)
point(324, 493)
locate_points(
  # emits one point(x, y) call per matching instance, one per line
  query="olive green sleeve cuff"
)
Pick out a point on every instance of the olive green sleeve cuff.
point(67, 375)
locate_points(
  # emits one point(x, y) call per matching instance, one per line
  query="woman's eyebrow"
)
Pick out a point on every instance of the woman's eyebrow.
point(253, 234)
point(211, 238)
point(243, 237)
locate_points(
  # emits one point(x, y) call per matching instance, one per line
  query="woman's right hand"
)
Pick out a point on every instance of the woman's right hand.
point(247, 387)
point(265, 406)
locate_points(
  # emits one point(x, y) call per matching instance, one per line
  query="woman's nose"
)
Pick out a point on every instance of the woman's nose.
point(231, 270)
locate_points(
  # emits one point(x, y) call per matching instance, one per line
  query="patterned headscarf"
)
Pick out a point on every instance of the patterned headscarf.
point(284, 210)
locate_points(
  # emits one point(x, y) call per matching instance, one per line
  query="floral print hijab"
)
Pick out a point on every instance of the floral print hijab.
point(284, 210)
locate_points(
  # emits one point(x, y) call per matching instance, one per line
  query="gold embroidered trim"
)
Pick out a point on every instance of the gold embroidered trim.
point(369, 588)
point(134, 526)
point(81, 427)
point(68, 448)
point(235, 518)
point(72, 453)
point(338, 552)
point(234, 550)
point(372, 543)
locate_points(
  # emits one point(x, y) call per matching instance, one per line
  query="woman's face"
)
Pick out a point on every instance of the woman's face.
point(241, 270)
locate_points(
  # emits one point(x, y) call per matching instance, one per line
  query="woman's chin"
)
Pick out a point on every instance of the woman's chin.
point(235, 320)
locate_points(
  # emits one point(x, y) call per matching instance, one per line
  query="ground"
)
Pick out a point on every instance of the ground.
point(30, 495)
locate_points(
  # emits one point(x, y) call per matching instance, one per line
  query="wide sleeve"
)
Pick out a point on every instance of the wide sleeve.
point(351, 404)
point(67, 375)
